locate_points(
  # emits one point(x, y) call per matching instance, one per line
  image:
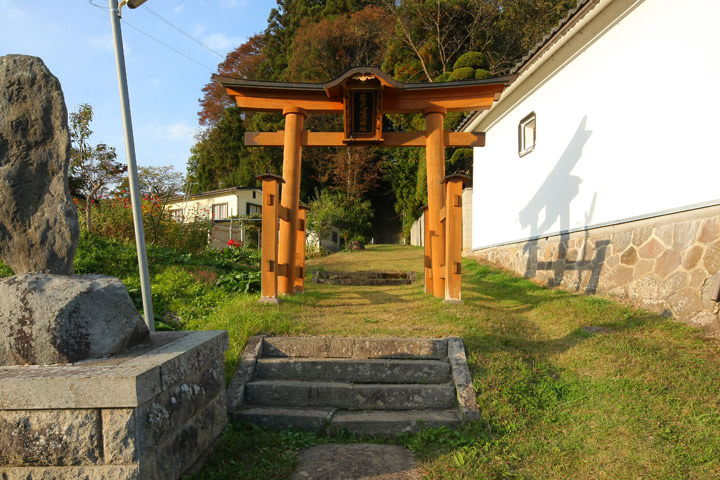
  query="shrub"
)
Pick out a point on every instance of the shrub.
point(463, 73)
point(470, 59)
point(113, 219)
point(481, 73)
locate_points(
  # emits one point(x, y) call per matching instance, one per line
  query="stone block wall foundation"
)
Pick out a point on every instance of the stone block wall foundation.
point(148, 413)
point(666, 264)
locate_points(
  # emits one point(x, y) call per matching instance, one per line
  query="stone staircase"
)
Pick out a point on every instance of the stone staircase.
point(374, 386)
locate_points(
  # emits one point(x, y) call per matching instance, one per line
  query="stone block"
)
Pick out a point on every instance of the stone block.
point(685, 304)
point(629, 256)
point(243, 373)
point(668, 262)
point(652, 249)
point(50, 319)
point(399, 348)
point(622, 240)
point(120, 435)
point(643, 267)
point(462, 378)
point(641, 235)
point(711, 260)
point(84, 472)
point(692, 256)
point(50, 437)
point(664, 233)
point(620, 275)
point(685, 234)
point(648, 287)
point(181, 448)
point(317, 347)
point(710, 230)
point(157, 431)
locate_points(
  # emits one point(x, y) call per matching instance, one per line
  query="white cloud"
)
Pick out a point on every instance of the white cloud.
point(54, 27)
point(176, 131)
point(221, 42)
point(179, 9)
point(104, 42)
point(10, 11)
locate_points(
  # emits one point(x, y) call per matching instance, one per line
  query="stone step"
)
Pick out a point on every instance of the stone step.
point(389, 422)
point(292, 393)
point(354, 370)
point(330, 420)
point(344, 347)
point(281, 418)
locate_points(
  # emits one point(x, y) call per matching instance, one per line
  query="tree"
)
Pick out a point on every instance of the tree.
point(323, 50)
point(92, 168)
point(220, 158)
point(243, 62)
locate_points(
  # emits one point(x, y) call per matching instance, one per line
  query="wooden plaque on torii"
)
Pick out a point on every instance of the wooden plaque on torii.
point(363, 95)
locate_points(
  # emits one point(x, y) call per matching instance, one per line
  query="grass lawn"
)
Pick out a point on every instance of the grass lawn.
point(569, 386)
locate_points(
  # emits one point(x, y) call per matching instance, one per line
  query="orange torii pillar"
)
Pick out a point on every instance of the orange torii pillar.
point(453, 236)
point(435, 159)
point(290, 200)
point(269, 258)
point(300, 250)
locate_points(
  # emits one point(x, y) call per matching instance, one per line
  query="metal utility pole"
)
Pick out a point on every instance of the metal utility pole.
point(132, 167)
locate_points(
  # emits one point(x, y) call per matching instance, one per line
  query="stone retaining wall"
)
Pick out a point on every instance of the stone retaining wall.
point(665, 264)
point(149, 413)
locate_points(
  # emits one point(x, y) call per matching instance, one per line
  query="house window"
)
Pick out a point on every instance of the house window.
point(527, 134)
point(253, 209)
point(220, 211)
point(334, 237)
point(254, 192)
point(177, 215)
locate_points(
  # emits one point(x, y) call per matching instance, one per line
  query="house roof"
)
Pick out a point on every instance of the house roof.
point(552, 37)
point(209, 193)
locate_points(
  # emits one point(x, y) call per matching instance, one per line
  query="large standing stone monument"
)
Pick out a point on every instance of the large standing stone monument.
point(47, 315)
point(38, 222)
point(148, 412)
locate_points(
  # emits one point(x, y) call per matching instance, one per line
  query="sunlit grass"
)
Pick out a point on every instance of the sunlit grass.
point(569, 386)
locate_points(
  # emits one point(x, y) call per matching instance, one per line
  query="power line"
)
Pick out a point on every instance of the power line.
point(168, 46)
point(160, 41)
point(168, 22)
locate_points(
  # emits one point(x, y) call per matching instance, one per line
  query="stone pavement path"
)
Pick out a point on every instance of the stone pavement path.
point(357, 461)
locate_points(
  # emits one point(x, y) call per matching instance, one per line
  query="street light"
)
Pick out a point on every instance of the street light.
point(132, 166)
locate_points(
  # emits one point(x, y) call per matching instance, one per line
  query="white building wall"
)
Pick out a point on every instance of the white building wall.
point(202, 207)
point(625, 129)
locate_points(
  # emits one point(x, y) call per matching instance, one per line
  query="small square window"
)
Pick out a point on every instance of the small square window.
point(527, 134)
point(220, 211)
point(177, 215)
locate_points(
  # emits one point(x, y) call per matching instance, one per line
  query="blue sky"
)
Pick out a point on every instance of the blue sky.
point(73, 37)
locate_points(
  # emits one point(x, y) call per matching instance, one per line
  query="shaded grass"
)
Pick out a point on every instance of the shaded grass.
point(569, 386)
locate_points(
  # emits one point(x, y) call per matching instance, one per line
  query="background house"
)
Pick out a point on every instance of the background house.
point(227, 208)
point(600, 172)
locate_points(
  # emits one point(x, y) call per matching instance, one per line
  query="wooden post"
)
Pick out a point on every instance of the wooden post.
point(435, 159)
point(453, 236)
point(426, 248)
point(269, 256)
point(290, 201)
point(300, 250)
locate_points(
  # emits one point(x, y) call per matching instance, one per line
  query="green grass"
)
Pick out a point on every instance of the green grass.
point(569, 386)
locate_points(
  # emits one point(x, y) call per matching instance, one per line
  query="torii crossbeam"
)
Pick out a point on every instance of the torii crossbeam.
point(362, 95)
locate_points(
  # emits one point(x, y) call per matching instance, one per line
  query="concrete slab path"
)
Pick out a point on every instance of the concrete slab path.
point(356, 461)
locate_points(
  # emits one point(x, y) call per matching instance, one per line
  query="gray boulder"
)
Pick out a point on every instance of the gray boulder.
point(48, 319)
point(38, 221)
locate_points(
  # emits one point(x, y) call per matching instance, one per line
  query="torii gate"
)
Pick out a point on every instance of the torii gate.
point(362, 95)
